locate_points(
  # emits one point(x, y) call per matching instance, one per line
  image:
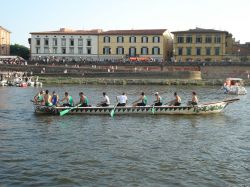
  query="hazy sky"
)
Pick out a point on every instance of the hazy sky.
point(24, 16)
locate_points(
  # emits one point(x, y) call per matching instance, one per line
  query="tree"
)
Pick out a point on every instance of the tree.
point(20, 50)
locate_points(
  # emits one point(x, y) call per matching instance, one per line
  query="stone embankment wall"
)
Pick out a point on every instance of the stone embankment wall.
point(141, 72)
point(223, 72)
point(162, 72)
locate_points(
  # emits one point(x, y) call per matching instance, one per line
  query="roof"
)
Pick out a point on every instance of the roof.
point(4, 29)
point(200, 30)
point(135, 32)
point(65, 31)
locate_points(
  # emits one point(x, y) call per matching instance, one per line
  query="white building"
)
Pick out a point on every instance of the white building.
point(65, 44)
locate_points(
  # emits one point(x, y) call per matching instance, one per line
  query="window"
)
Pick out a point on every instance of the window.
point(89, 42)
point(119, 50)
point(71, 42)
point(46, 41)
point(37, 41)
point(106, 39)
point(144, 39)
point(80, 50)
point(217, 39)
point(144, 50)
point(64, 42)
point(180, 51)
point(155, 51)
point(88, 50)
point(189, 39)
point(132, 51)
point(54, 50)
point(208, 51)
point(198, 39)
point(54, 41)
point(71, 50)
point(180, 39)
point(132, 39)
point(46, 50)
point(63, 50)
point(198, 51)
point(189, 51)
point(208, 39)
point(106, 50)
point(38, 50)
point(119, 39)
point(80, 42)
point(217, 51)
point(156, 39)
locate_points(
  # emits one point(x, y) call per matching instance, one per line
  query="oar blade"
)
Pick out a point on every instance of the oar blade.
point(112, 113)
point(153, 110)
point(62, 113)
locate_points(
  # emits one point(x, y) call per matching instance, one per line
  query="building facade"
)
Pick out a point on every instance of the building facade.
point(65, 44)
point(202, 45)
point(155, 44)
point(4, 41)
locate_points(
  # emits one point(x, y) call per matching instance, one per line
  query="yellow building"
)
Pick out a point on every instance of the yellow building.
point(122, 44)
point(4, 41)
point(201, 45)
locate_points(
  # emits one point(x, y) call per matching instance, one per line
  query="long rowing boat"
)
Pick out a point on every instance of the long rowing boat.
point(206, 108)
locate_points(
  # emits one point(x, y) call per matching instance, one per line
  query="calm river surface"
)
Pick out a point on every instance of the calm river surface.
point(35, 150)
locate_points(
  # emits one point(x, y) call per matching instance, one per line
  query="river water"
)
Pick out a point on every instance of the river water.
point(212, 150)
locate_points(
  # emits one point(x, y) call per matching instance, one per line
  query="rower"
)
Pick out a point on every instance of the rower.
point(39, 97)
point(83, 100)
point(69, 100)
point(194, 100)
point(144, 100)
point(55, 98)
point(122, 99)
point(176, 101)
point(158, 101)
point(47, 98)
point(105, 102)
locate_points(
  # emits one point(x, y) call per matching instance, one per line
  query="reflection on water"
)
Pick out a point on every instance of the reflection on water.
point(38, 150)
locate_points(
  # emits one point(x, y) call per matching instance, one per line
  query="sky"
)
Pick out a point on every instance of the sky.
point(24, 16)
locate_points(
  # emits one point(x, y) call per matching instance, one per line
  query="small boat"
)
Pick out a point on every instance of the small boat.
point(34, 82)
point(206, 108)
point(234, 86)
point(3, 83)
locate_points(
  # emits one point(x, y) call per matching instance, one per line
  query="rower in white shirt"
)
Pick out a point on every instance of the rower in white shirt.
point(105, 102)
point(122, 99)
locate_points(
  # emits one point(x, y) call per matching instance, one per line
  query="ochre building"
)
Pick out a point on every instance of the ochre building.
point(155, 44)
point(4, 41)
point(202, 45)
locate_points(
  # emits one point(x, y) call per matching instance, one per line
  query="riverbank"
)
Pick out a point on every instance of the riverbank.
point(131, 81)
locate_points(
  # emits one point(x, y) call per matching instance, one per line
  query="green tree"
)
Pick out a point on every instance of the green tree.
point(20, 50)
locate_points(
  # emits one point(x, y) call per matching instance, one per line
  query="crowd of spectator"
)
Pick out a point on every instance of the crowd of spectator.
point(12, 60)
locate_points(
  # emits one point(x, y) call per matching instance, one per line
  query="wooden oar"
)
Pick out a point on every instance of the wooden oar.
point(66, 111)
point(231, 100)
point(112, 113)
point(153, 109)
